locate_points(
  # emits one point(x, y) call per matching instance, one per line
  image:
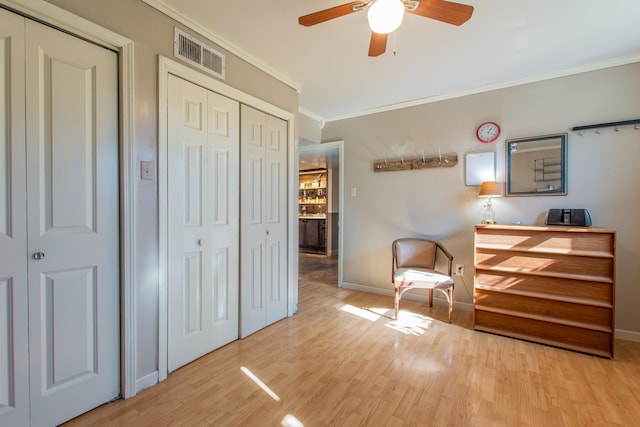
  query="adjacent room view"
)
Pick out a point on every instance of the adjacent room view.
point(319, 213)
point(319, 195)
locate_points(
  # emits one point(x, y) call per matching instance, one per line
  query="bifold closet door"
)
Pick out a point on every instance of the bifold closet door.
point(14, 347)
point(264, 220)
point(72, 222)
point(203, 221)
point(59, 270)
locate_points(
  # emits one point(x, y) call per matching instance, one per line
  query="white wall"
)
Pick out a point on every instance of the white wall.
point(603, 175)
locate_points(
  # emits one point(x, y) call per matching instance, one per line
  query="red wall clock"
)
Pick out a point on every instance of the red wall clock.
point(488, 132)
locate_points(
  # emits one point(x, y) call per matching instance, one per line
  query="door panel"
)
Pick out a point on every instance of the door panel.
point(256, 193)
point(264, 201)
point(224, 146)
point(193, 185)
point(72, 205)
point(221, 291)
point(253, 304)
point(203, 233)
point(275, 274)
point(276, 238)
point(68, 191)
point(192, 298)
point(187, 152)
point(70, 305)
point(14, 374)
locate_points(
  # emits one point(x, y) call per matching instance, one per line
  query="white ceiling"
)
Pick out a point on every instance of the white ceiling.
point(505, 42)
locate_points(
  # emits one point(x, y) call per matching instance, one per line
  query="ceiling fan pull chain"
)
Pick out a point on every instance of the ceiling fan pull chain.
point(394, 43)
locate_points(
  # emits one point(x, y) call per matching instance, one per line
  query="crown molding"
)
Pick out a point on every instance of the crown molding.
point(610, 63)
point(312, 116)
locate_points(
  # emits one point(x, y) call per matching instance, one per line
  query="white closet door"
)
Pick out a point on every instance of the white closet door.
point(14, 374)
point(263, 220)
point(203, 223)
point(276, 219)
point(72, 205)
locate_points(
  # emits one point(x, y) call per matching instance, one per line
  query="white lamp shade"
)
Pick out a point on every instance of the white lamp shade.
point(385, 16)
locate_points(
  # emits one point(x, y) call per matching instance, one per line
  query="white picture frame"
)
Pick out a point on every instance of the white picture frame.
point(480, 167)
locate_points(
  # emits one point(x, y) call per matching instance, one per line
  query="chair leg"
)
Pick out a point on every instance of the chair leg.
point(450, 292)
point(396, 303)
point(430, 297)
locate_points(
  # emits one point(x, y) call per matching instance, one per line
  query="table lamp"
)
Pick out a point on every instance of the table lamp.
point(489, 189)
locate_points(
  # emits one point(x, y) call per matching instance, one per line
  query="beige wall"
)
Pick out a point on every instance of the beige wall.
point(603, 174)
point(310, 129)
point(152, 33)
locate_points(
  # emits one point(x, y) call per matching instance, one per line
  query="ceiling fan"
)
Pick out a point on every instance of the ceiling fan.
point(385, 16)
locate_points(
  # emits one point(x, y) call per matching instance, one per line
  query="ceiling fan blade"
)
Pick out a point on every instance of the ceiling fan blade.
point(331, 13)
point(378, 44)
point(444, 11)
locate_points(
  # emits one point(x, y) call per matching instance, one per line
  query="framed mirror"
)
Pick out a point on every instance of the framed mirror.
point(537, 166)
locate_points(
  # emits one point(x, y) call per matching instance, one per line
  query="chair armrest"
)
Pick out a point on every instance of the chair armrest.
point(394, 264)
point(448, 255)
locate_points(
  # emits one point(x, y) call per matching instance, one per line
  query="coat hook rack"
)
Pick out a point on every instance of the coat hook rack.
point(413, 163)
point(616, 125)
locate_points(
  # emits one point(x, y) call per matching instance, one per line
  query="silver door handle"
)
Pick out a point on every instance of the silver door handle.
point(38, 256)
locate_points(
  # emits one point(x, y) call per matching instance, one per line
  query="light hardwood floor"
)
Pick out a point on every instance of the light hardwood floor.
point(343, 361)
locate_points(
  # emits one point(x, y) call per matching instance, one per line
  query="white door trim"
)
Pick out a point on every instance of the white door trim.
point(67, 21)
point(168, 66)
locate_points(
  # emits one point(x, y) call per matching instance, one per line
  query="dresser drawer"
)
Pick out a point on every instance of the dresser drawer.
point(573, 338)
point(585, 316)
point(558, 241)
point(581, 267)
point(550, 287)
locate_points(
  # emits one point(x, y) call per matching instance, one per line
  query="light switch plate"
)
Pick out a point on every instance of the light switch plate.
point(146, 170)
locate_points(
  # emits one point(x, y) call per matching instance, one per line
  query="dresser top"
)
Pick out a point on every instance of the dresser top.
point(556, 228)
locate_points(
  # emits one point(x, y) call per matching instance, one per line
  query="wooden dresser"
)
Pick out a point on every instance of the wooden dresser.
point(551, 285)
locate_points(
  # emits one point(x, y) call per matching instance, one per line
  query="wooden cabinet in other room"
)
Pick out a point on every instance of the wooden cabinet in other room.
point(312, 234)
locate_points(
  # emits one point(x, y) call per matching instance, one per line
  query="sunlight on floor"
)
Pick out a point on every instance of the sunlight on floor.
point(365, 314)
point(410, 323)
point(260, 384)
point(291, 421)
point(407, 322)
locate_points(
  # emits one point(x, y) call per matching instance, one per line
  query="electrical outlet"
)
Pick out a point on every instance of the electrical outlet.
point(146, 170)
point(459, 270)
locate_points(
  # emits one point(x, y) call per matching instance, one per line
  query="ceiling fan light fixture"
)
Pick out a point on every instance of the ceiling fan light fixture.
point(385, 16)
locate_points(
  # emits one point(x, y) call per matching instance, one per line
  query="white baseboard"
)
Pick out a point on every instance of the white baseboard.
point(462, 306)
point(627, 335)
point(146, 381)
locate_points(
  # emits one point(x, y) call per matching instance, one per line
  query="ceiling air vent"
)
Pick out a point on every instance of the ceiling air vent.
point(195, 52)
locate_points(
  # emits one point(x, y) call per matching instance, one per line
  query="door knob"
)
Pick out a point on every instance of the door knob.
point(202, 242)
point(38, 256)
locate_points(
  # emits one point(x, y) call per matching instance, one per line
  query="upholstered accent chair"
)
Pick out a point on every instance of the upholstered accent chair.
point(414, 267)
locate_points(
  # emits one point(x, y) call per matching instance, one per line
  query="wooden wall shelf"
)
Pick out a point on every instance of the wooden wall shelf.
point(551, 285)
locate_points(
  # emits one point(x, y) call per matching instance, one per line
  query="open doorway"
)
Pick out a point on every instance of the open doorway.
point(320, 202)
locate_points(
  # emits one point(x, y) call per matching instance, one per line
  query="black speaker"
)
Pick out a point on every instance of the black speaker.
point(573, 217)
